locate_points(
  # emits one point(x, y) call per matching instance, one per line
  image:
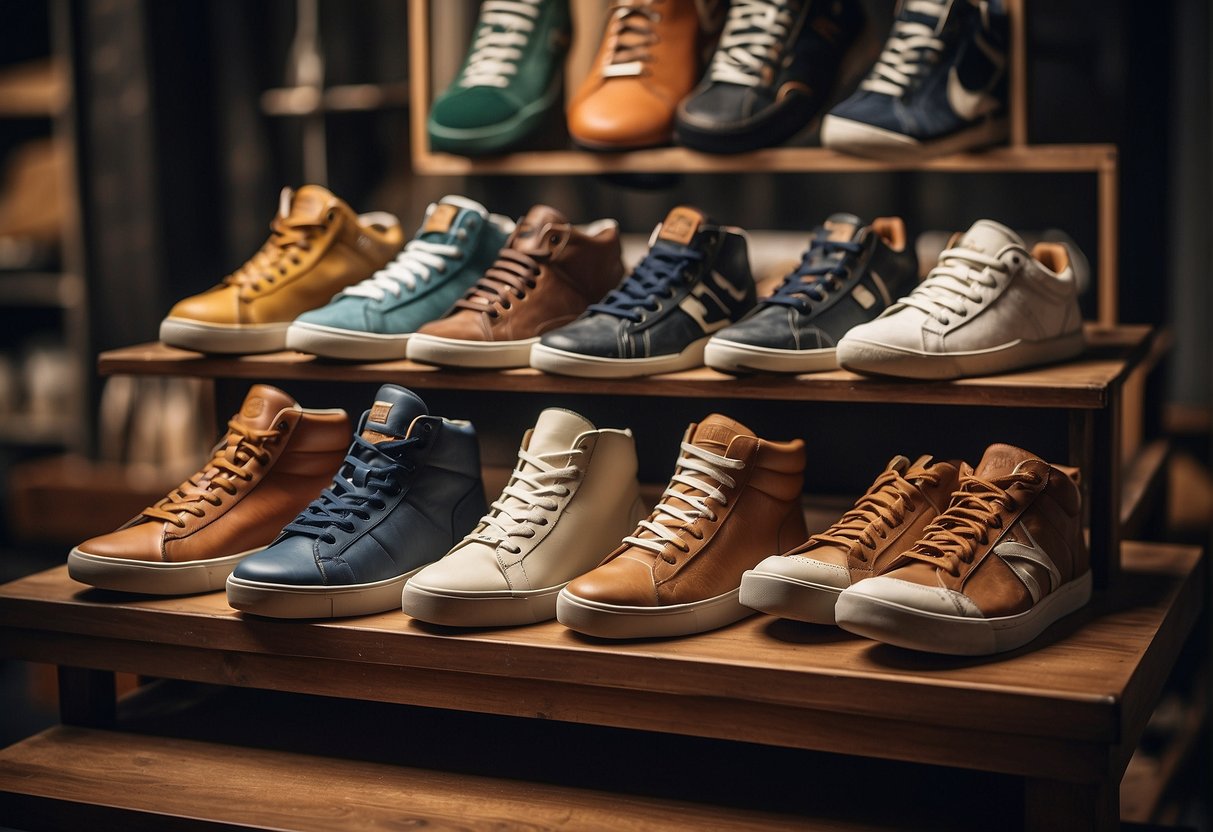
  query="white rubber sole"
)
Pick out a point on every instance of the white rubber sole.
point(223, 338)
point(452, 352)
point(284, 601)
point(860, 139)
point(616, 621)
point(735, 357)
point(480, 609)
point(863, 356)
point(153, 577)
point(892, 623)
point(788, 597)
point(331, 342)
point(552, 360)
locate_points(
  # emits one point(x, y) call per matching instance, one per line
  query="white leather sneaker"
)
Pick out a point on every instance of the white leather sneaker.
point(572, 497)
point(988, 306)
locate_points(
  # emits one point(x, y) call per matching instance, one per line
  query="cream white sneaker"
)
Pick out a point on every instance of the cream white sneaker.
point(572, 497)
point(988, 306)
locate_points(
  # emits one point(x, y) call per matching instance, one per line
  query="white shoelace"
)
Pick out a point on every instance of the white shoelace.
point(909, 52)
point(505, 26)
point(418, 261)
point(750, 40)
point(951, 285)
point(527, 497)
point(631, 26)
point(668, 516)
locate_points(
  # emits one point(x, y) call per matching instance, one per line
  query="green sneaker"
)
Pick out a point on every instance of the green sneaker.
point(372, 320)
point(510, 79)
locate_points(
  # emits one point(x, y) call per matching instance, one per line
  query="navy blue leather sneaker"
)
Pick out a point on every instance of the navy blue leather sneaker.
point(694, 280)
point(850, 274)
point(409, 489)
point(940, 85)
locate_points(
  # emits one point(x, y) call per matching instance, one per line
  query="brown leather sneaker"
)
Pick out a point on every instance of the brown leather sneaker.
point(547, 274)
point(275, 458)
point(805, 583)
point(318, 246)
point(734, 499)
point(1005, 561)
point(649, 60)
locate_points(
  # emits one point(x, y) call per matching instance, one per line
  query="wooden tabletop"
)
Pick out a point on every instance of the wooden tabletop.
point(1058, 710)
point(1085, 383)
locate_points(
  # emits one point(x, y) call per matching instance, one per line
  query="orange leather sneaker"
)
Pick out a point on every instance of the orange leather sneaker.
point(317, 247)
point(275, 458)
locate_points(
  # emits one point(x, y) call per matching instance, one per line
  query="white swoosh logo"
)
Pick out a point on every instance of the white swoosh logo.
point(735, 293)
point(968, 104)
point(1010, 551)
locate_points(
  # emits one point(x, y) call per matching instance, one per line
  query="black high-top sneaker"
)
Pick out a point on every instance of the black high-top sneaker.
point(694, 281)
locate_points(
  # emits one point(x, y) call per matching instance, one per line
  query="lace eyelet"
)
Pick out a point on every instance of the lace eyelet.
point(330, 216)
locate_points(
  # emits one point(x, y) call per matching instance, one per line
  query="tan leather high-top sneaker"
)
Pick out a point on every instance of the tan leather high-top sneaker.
point(805, 583)
point(649, 60)
point(734, 499)
point(318, 246)
point(1005, 561)
point(547, 274)
point(275, 458)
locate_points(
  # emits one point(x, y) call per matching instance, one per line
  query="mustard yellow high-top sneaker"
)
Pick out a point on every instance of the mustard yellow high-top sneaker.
point(317, 247)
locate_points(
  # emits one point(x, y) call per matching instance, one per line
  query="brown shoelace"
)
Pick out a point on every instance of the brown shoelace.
point(505, 281)
point(881, 509)
point(287, 239)
point(242, 445)
point(630, 30)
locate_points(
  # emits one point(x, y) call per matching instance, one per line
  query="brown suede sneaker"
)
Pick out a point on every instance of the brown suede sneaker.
point(318, 246)
point(734, 499)
point(1005, 561)
point(547, 274)
point(275, 458)
point(805, 583)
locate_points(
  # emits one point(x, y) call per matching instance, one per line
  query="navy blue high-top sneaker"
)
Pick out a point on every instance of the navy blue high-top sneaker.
point(940, 85)
point(409, 489)
point(694, 281)
point(850, 274)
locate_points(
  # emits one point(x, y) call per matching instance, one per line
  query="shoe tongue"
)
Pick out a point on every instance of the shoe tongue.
point(716, 432)
point(529, 235)
point(445, 217)
point(308, 205)
point(1001, 460)
point(842, 228)
point(556, 430)
point(262, 405)
point(391, 415)
point(681, 225)
point(989, 237)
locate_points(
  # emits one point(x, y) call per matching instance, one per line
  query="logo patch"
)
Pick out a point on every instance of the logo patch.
point(253, 408)
point(380, 411)
point(680, 226)
point(440, 220)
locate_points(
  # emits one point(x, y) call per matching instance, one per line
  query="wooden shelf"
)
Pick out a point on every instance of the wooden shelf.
point(1081, 384)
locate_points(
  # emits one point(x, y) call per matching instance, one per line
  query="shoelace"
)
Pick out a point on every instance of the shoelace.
point(655, 277)
point(506, 280)
point(526, 497)
point(955, 535)
point(819, 273)
point(881, 509)
point(356, 490)
point(230, 463)
point(418, 261)
point(951, 285)
point(667, 519)
point(505, 27)
point(287, 238)
point(750, 42)
point(631, 33)
point(910, 51)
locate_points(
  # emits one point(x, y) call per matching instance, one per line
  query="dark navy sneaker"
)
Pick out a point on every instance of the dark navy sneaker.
point(694, 281)
point(409, 489)
point(773, 70)
point(940, 85)
point(851, 273)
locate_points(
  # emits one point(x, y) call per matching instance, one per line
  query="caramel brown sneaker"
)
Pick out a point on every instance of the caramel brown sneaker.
point(547, 274)
point(734, 499)
point(275, 458)
point(805, 583)
point(1005, 561)
point(317, 247)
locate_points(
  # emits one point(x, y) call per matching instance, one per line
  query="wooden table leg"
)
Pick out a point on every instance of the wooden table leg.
point(1070, 807)
point(86, 697)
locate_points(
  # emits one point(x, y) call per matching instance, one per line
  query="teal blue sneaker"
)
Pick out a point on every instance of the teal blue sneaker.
point(510, 80)
point(372, 320)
